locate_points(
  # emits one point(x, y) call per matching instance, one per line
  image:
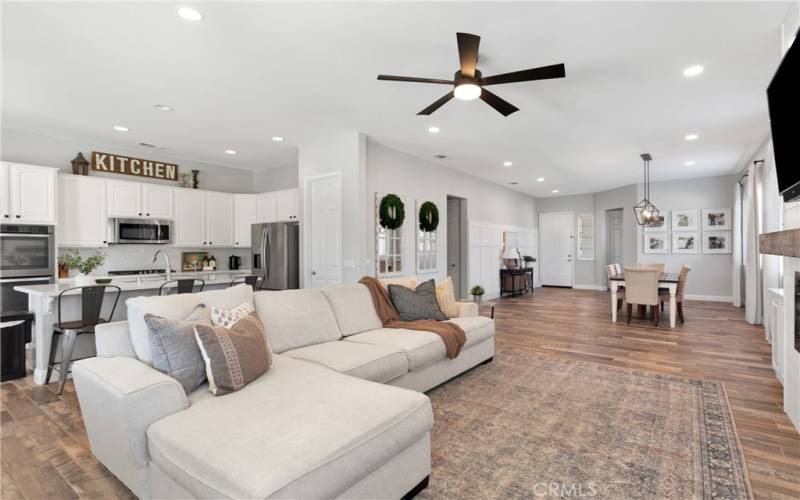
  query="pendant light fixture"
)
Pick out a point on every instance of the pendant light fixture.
point(646, 213)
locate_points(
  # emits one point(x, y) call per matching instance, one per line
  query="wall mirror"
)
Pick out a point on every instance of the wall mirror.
point(388, 245)
point(586, 237)
point(427, 242)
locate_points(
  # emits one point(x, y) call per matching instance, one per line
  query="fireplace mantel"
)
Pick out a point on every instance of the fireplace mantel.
point(786, 243)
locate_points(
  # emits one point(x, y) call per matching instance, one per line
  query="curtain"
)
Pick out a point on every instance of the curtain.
point(737, 245)
point(752, 259)
point(771, 210)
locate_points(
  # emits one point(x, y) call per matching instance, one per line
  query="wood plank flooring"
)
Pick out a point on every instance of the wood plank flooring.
point(45, 452)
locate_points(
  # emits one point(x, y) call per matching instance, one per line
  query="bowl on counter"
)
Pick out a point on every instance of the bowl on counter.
point(103, 280)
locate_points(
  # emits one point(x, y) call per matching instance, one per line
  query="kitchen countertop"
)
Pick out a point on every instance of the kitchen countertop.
point(132, 283)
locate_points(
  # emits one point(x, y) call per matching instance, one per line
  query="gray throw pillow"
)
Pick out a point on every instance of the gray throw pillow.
point(416, 304)
point(174, 347)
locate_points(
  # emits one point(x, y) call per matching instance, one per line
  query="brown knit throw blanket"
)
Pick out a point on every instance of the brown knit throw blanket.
point(452, 335)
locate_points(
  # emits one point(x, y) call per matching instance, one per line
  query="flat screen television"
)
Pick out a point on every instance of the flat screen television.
point(783, 96)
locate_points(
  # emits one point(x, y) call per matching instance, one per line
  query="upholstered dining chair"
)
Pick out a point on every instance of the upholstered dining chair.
point(658, 266)
point(611, 270)
point(679, 293)
point(641, 288)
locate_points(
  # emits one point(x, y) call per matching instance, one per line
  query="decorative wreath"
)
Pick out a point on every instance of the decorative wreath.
point(428, 216)
point(392, 211)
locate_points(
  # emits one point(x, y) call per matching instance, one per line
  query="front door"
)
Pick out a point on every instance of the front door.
point(555, 248)
point(325, 244)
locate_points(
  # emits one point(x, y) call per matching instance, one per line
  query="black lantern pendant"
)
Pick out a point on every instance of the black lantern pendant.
point(646, 213)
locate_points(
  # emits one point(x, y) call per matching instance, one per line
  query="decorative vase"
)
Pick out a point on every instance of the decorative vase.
point(63, 271)
point(477, 298)
point(84, 280)
point(510, 263)
point(193, 179)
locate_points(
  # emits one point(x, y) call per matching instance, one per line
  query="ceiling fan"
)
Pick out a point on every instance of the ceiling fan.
point(468, 83)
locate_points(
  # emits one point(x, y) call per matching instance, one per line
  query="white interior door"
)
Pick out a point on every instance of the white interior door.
point(325, 232)
point(556, 248)
point(614, 250)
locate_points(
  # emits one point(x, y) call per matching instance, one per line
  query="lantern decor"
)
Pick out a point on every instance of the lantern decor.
point(646, 213)
point(80, 165)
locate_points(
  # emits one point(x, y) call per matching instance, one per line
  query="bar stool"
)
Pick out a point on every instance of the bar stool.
point(92, 298)
point(251, 280)
point(185, 285)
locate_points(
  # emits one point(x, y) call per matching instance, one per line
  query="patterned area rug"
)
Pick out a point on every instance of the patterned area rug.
point(527, 426)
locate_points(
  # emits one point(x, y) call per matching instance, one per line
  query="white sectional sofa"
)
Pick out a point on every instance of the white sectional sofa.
point(333, 416)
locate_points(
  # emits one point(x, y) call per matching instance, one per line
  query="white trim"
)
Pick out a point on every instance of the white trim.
point(712, 298)
point(306, 227)
point(589, 287)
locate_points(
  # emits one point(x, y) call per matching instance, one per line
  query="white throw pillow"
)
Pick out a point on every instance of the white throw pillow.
point(227, 317)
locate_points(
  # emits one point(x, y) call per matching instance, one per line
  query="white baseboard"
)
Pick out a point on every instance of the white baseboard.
point(589, 287)
point(712, 298)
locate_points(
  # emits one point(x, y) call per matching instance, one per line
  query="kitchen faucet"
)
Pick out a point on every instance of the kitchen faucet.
point(169, 268)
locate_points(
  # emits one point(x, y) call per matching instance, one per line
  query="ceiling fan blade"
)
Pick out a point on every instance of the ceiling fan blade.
point(438, 104)
point(468, 53)
point(526, 75)
point(502, 106)
point(414, 79)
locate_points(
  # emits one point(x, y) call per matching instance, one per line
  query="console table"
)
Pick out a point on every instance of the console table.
point(516, 281)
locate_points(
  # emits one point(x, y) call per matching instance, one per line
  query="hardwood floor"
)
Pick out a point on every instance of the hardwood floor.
point(45, 452)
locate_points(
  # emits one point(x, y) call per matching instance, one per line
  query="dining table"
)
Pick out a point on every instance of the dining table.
point(667, 281)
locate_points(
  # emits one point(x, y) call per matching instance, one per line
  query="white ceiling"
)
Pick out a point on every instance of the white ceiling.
point(249, 71)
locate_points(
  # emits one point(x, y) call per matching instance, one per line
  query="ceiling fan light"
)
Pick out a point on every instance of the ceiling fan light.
point(467, 91)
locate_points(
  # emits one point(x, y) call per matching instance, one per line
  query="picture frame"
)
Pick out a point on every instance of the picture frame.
point(684, 220)
point(686, 242)
point(717, 242)
point(716, 219)
point(656, 242)
point(662, 225)
point(189, 259)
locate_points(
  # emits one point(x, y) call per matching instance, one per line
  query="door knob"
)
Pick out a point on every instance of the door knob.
point(313, 273)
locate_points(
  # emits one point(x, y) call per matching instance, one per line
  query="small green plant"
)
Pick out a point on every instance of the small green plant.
point(477, 290)
point(80, 264)
point(528, 259)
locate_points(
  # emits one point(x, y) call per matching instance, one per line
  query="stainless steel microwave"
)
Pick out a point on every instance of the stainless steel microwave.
point(142, 231)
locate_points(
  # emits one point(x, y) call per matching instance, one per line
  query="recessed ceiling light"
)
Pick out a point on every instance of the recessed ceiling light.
point(433, 130)
point(277, 138)
point(540, 179)
point(691, 137)
point(190, 14)
point(507, 163)
point(689, 163)
point(555, 191)
point(163, 107)
point(120, 128)
point(693, 70)
point(440, 156)
point(513, 183)
point(230, 152)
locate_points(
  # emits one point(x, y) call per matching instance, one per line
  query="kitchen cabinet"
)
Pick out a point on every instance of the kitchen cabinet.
point(82, 220)
point(286, 204)
point(265, 208)
point(245, 214)
point(219, 220)
point(137, 199)
point(28, 193)
point(190, 218)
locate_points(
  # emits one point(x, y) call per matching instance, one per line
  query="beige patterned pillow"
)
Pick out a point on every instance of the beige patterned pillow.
point(224, 317)
point(234, 356)
point(446, 297)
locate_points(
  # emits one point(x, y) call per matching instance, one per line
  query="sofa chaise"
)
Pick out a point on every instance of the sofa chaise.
point(332, 418)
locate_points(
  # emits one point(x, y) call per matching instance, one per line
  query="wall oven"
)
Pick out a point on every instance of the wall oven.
point(27, 257)
point(142, 231)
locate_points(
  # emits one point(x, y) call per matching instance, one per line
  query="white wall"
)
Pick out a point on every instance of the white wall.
point(711, 274)
point(583, 270)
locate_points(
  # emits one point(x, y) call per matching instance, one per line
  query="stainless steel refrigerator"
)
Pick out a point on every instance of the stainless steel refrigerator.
point(276, 254)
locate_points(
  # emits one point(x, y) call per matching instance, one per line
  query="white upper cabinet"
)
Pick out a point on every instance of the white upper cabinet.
point(286, 205)
point(266, 208)
point(245, 213)
point(28, 193)
point(157, 201)
point(219, 220)
point(82, 220)
point(137, 199)
point(124, 199)
point(190, 218)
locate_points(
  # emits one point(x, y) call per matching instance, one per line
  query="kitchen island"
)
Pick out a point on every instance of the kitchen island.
point(43, 302)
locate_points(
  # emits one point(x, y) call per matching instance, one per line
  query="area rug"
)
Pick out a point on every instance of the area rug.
point(531, 426)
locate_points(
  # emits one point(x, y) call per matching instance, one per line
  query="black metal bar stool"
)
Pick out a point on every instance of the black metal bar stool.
point(185, 285)
point(92, 298)
point(251, 280)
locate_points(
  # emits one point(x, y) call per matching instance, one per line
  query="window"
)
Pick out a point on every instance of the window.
point(586, 237)
point(427, 248)
point(388, 245)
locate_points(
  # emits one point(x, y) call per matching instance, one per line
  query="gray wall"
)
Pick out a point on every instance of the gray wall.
point(275, 179)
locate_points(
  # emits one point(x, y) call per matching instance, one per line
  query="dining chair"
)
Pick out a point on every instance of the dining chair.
point(641, 288)
point(251, 280)
point(185, 285)
point(611, 270)
point(679, 293)
point(658, 266)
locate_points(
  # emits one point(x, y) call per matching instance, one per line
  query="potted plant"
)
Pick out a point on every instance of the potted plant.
point(529, 260)
point(477, 292)
point(84, 266)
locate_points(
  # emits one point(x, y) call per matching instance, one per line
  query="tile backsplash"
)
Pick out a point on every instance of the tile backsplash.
point(126, 257)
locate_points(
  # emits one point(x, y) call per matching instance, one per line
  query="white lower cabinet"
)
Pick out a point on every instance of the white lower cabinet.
point(190, 218)
point(219, 220)
point(82, 219)
point(245, 214)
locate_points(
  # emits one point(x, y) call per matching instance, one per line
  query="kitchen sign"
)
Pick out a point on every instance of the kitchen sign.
point(117, 164)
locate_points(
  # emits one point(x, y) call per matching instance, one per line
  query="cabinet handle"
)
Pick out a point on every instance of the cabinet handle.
point(210, 242)
point(104, 242)
point(204, 243)
point(140, 213)
point(6, 216)
point(18, 216)
point(147, 215)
